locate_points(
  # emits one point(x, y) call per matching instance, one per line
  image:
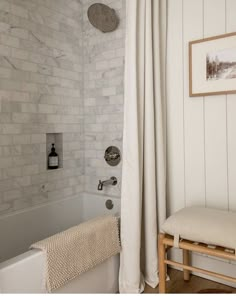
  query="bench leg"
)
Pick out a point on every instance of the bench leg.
point(162, 267)
point(186, 262)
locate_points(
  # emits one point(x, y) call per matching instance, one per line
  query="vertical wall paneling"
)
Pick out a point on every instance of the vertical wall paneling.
point(231, 111)
point(175, 132)
point(215, 120)
point(201, 131)
point(193, 111)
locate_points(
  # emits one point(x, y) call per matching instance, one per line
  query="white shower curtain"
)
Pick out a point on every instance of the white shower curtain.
point(143, 200)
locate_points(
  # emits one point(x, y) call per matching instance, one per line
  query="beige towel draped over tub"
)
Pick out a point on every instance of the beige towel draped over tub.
point(78, 249)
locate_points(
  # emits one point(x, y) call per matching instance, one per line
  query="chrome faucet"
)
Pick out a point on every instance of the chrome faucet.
point(111, 181)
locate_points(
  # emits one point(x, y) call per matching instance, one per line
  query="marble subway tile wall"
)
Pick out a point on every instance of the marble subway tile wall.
point(41, 91)
point(103, 97)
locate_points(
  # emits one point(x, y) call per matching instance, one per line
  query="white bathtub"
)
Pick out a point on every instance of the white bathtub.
point(22, 271)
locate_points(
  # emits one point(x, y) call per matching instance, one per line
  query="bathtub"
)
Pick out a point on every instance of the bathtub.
point(22, 270)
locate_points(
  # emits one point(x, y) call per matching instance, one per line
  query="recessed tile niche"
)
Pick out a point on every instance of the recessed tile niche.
point(57, 140)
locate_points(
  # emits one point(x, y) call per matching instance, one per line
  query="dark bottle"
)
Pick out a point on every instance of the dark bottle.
point(53, 159)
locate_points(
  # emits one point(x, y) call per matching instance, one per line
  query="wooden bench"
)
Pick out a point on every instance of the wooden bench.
point(168, 240)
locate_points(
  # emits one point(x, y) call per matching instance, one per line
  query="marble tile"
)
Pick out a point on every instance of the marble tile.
point(57, 74)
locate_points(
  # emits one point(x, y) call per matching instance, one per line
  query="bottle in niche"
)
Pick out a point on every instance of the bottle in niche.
point(53, 159)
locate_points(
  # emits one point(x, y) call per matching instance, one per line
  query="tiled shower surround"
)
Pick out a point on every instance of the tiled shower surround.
point(58, 74)
point(103, 97)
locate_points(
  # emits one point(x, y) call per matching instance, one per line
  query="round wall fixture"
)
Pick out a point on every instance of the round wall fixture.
point(103, 17)
point(109, 204)
point(112, 155)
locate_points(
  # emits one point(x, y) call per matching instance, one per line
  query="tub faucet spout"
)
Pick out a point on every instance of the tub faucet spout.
point(111, 181)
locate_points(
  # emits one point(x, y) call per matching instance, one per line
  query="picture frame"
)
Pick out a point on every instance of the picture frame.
point(212, 65)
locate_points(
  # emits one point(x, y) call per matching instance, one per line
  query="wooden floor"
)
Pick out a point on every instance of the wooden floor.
point(178, 285)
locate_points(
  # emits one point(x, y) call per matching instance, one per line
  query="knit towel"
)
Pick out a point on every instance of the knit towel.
point(78, 249)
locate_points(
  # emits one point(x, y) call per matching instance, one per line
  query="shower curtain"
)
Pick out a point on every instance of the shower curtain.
point(143, 196)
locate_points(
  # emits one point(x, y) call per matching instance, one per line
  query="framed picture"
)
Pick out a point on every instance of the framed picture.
point(212, 65)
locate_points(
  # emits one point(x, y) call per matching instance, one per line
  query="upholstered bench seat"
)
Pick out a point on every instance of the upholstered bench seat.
point(210, 226)
point(196, 229)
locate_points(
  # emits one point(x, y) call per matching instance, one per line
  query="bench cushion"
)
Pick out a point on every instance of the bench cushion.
point(210, 226)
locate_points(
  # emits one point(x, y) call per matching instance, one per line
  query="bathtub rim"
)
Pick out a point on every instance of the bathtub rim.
point(51, 202)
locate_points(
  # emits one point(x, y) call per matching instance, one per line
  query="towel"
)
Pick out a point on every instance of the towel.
point(78, 249)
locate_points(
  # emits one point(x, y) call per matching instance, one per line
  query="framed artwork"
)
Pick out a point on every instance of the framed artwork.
point(212, 65)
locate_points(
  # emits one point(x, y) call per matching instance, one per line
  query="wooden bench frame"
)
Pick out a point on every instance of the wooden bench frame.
point(166, 242)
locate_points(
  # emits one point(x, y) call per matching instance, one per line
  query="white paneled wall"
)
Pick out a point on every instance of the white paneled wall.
point(201, 131)
point(231, 111)
point(175, 115)
point(193, 112)
point(215, 119)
